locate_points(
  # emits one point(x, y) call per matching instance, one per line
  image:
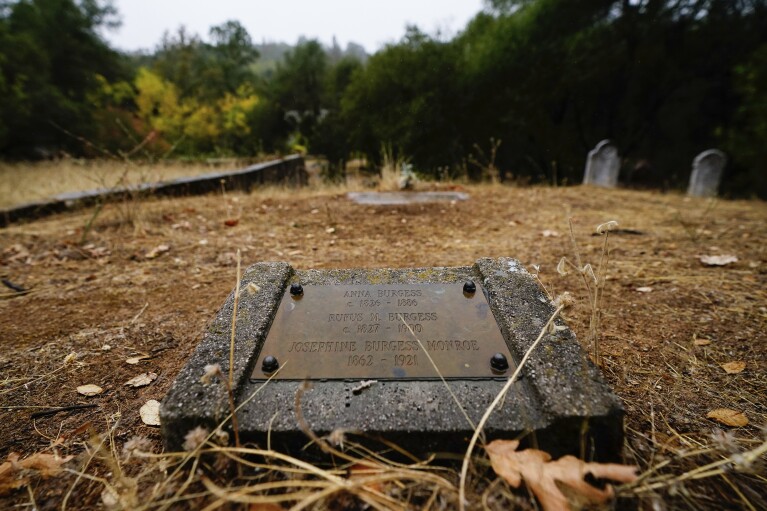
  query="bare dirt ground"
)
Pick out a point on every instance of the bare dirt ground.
point(670, 322)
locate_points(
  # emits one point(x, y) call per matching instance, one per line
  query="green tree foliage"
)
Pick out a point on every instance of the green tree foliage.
point(51, 57)
point(407, 96)
point(299, 86)
point(747, 135)
point(550, 78)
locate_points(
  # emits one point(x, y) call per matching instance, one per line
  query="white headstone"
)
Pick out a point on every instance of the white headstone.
point(707, 170)
point(603, 165)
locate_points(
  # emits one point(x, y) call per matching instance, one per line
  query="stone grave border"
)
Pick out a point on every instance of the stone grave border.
point(289, 170)
point(560, 394)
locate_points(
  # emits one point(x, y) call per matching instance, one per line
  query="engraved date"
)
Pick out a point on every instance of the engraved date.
point(405, 360)
point(360, 360)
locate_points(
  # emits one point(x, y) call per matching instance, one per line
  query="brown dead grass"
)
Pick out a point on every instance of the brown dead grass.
point(84, 298)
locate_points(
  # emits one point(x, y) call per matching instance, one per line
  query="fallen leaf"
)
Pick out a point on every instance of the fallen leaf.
point(135, 360)
point(47, 465)
point(157, 251)
point(89, 390)
point(541, 474)
point(363, 470)
point(734, 367)
point(728, 417)
point(231, 222)
point(142, 380)
point(150, 413)
point(718, 260)
point(96, 252)
point(644, 289)
point(265, 506)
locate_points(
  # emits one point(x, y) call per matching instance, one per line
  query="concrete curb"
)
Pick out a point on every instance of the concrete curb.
point(289, 170)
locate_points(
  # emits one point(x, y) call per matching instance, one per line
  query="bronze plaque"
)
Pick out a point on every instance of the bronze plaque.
point(386, 331)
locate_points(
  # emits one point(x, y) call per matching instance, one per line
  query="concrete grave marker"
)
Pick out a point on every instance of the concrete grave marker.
point(603, 165)
point(707, 169)
point(369, 341)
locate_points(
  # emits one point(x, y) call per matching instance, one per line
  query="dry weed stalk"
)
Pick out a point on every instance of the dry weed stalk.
point(593, 281)
point(486, 163)
point(391, 171)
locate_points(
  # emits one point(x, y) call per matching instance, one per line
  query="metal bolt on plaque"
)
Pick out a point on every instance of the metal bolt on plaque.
point(270, 364)
point(499, 362)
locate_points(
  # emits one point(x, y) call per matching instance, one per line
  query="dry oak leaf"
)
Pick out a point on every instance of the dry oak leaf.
point(47, 465)
point(728, 417)
point(541, 474)
point(142, 380)
point(150, 413)
point(718, 260)
point(157, 251)
point(734, 367)
point(135, 360)
point(89, 390)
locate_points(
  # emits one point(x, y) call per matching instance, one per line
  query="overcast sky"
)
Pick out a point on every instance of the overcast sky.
point(371, 23)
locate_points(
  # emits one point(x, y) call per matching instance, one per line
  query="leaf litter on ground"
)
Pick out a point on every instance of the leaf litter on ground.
point(15, 473)
point(541, 474)
point(728, 417)
point(157, 251)
point(734, 367)
point(136, 360)
point(89, 390)
point(718, 260)
point(142, 380)
point(150, 413)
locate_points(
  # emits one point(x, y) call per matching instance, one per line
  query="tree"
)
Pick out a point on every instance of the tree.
point(299, 85)
point(745, 139)
point(50, 59)
point(406, 96)
point(233, 53)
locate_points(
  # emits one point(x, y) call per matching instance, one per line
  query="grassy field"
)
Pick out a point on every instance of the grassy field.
point(679, 339)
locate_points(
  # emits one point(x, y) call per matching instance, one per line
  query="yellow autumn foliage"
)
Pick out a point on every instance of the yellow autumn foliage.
point(235, 109)
point(158, 103)
point(202, 124)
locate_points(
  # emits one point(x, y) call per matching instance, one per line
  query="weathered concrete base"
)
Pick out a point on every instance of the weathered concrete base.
point(560, 403)
point(404, 198)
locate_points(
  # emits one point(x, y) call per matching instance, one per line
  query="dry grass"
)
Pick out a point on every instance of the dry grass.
point(82, 298)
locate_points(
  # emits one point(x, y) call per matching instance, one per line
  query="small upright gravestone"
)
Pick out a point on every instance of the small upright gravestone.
point(602, 166)
point(401, 354)
point(706, 175)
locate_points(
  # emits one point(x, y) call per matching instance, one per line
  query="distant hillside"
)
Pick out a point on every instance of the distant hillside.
point(271, 53)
